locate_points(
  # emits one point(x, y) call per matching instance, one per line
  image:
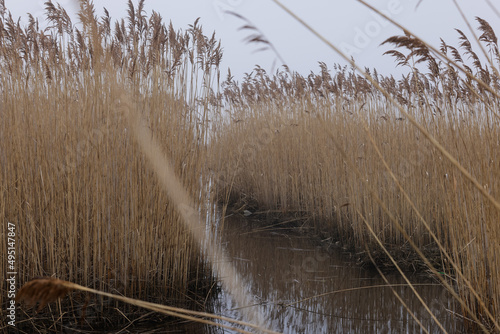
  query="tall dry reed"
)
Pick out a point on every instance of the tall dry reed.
point(86, 206)
point(329, 147)
point(294, 144)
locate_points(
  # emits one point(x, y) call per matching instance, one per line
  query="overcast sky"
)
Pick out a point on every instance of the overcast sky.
point(345, 23)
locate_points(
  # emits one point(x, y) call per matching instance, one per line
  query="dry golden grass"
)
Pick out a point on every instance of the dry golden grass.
point(288, 163)
point(325, 146)
point(404, 171)
point(86, 205)
point(86, 202)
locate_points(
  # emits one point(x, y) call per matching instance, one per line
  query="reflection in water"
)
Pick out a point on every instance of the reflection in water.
point(287, 270)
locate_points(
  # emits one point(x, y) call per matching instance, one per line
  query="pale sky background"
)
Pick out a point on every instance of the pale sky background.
point(345, 23)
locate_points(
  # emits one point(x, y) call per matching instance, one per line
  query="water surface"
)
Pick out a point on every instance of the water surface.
point(308, 286)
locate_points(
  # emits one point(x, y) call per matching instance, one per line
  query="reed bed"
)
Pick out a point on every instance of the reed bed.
point(86, 205)
point(310, 146)
point(329, 147)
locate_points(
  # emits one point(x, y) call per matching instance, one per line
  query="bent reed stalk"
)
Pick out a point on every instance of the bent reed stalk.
point(45, 291)
point(220, 263)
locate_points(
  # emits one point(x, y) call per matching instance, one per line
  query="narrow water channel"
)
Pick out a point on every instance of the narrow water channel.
point(306, 288)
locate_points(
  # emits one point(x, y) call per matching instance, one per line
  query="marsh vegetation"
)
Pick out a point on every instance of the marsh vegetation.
point(403, 172)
